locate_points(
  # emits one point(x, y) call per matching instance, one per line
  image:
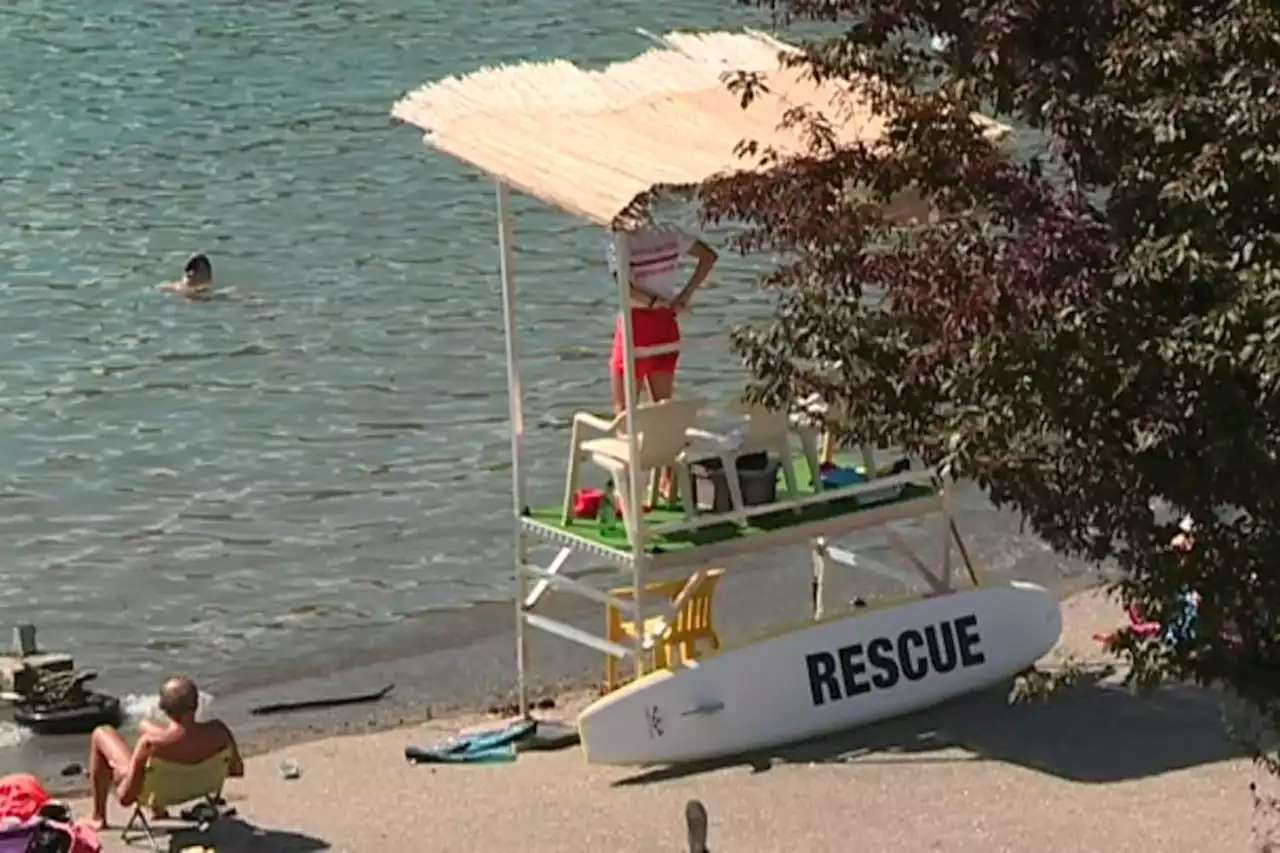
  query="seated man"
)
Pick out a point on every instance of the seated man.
point(182, 741)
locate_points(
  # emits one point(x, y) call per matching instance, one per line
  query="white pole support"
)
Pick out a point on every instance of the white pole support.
point(576, 635)
point(869, 461)
point(634, 520)
point(944, 540)
point(854, 560)
point(818, 584)
point(585, 590)
point(540, 588)
point(515, 399)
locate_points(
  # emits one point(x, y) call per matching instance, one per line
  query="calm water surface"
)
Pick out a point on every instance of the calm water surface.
point(323, 448)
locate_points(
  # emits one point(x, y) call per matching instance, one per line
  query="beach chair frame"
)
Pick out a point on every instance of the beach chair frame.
point(139, 819)
point(211, 798)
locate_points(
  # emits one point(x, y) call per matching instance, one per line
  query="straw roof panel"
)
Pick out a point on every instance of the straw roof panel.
point(591, 142)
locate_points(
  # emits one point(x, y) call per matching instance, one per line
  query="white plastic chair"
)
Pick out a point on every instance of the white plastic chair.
point(760, 430)
point(660, 443)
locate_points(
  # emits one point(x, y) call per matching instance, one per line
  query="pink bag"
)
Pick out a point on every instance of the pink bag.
point(84, 839)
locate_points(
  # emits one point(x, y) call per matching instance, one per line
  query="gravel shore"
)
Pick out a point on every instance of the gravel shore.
point(1095, 769)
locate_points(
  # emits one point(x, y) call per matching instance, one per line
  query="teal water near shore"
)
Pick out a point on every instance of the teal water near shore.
point(323, 448)
point(310, 471)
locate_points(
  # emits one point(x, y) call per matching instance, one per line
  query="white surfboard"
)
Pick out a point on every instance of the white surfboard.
point(854, 669)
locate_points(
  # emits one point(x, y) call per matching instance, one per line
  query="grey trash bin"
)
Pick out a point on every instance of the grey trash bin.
point(757, 476)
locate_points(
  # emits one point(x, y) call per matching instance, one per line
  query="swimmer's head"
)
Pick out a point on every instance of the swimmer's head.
point(198, 271)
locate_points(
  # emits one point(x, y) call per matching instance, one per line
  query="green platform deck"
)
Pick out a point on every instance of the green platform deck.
point(763, 531)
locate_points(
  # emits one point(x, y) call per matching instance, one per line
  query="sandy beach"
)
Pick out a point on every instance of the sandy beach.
point(461, 662)
point(1094, 769)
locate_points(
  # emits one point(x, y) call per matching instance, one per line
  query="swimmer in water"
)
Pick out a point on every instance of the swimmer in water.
point(197, 279)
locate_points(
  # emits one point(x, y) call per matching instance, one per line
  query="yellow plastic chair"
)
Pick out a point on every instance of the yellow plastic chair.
point(694, 625)
point(168, 784)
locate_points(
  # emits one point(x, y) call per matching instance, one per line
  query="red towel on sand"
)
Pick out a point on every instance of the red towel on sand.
point(21, 796)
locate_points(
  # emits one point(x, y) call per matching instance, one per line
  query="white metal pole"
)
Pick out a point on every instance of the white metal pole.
point(946, 527)
point(515, 400)
point(869, 461)
point(634, 505)
point(817, 585)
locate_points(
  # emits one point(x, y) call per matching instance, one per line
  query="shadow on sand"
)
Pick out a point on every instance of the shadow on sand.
point(233, 835)
point(1094, 733)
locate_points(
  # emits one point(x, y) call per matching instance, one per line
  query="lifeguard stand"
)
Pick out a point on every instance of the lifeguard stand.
point(600, 145)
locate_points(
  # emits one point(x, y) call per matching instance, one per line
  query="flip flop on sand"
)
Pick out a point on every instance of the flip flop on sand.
point(205, 813)
point(491, 747)
point(695, 816)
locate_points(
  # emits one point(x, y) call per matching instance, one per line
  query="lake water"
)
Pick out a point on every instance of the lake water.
point(323, 448)
point(311, 469)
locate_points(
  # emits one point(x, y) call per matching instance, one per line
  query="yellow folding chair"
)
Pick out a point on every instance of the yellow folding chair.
point(168, 784)
point(694, 625)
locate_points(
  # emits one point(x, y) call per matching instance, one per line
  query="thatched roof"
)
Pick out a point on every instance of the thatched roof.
point(592, 142)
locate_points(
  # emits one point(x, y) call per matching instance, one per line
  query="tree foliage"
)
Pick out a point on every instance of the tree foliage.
point(1083, 331)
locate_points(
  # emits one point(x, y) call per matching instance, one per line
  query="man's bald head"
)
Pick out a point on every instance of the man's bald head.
point(179, 698)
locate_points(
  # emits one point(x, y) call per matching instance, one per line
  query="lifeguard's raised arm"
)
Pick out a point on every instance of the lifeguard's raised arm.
point(655, 260)
point(706, 258)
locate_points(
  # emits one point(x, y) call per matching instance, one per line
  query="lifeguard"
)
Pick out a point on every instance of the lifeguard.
point(656, 298)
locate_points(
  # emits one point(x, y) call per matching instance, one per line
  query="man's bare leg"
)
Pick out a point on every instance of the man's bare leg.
point(109, 758)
